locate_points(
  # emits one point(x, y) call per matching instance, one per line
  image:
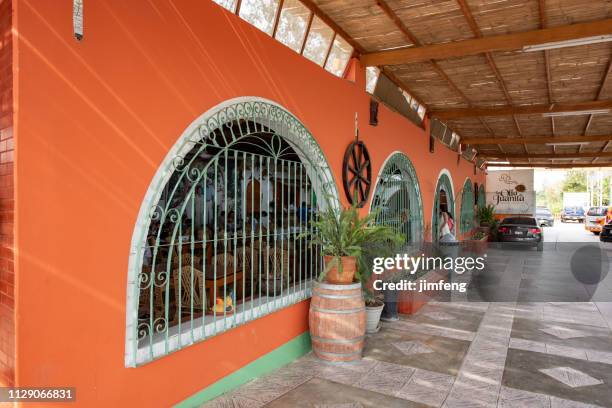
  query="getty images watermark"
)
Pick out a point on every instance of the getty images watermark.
point(411, 264)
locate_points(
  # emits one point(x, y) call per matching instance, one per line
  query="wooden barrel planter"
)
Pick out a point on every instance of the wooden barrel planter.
point(337, 321)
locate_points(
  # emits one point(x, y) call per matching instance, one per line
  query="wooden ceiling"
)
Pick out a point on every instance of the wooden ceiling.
point(463, 60)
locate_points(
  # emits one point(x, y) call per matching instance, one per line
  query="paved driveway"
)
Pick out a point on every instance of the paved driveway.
point(568, 232)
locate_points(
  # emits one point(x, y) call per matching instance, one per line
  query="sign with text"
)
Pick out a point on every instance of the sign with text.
point(511, 191)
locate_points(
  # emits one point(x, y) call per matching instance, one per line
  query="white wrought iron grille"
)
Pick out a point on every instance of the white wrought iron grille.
point(222, 245)
point(397, 198)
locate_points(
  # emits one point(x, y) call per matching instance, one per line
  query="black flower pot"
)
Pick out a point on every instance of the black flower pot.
point(390, 311)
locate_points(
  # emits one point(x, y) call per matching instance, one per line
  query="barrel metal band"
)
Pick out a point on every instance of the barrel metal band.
point(327, 353)
point(331, 311)
point(337, 341)
point(324, 296)
point(329, 286)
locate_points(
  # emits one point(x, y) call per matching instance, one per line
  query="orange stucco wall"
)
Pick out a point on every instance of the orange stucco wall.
point(7, 256)
point(95, 120)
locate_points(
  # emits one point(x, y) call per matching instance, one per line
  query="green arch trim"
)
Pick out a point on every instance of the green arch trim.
point(444, 183)
point(398, 187)
point(467, 207)
point(202, 132)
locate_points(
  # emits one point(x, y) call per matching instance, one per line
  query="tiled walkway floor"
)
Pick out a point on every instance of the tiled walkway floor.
point(469, 354)
point(488, 355)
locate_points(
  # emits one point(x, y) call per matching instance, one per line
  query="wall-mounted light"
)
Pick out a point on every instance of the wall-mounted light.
point(373, 112)
point(77, 19)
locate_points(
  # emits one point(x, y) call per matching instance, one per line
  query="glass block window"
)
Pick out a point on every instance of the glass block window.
point(372, 74)
point(421, 111)
point(228, 4)
point(318, 41)
point(339, 56)
point(292, 24)
point(260, 13)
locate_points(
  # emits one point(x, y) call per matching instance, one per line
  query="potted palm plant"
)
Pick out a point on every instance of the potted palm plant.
point(348, 243)
point(486, 215)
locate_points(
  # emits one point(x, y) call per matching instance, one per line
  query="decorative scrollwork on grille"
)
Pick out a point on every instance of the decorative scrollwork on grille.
point(214, 213)
point(397, 198)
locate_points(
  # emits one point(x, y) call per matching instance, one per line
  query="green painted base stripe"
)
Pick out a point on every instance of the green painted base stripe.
point(275, 359)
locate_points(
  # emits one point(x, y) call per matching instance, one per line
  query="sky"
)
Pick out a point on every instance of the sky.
point(546, 177)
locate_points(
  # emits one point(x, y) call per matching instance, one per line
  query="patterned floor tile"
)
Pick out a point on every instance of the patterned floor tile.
point(409, 348)
point(341, 375)
point(566, 351)
point(571, 377)
point(427, 388)
point(289, 376)
point(261, 390)
point(232, 402)
point(521, 344)
point(398, 372)
point(431, 329)
point(513, 398)
point(556, 402)
point(599, 356)
point(563, 332)
point(439, 316)
point(480, 393)
point(381, 385)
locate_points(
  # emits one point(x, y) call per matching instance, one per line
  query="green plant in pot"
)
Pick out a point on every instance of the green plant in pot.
point(486, 215)
point(345, 238)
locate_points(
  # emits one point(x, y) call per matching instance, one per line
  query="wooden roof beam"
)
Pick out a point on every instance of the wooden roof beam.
point(552, 165)
point(601, 88)
point(414, 40)
point(521, 110)
point(504, 42)
point(467, 13)
point(489, 156)
point(534, 140)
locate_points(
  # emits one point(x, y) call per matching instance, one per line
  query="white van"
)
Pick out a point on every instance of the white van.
point(595, 219)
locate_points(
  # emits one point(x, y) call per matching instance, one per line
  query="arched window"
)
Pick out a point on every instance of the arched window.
point(217, 241)
point(467, 207)
point(443, 201)
point(397, 198)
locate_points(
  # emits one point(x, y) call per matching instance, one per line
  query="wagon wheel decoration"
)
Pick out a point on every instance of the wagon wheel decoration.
point(357, 173)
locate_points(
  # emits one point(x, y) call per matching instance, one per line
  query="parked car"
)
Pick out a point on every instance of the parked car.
point(595, 219)
point(544, 217)
point(521, 230)
point(572, 214)
point(606, 233)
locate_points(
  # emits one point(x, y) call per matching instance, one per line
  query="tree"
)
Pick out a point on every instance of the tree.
point(575, 181)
